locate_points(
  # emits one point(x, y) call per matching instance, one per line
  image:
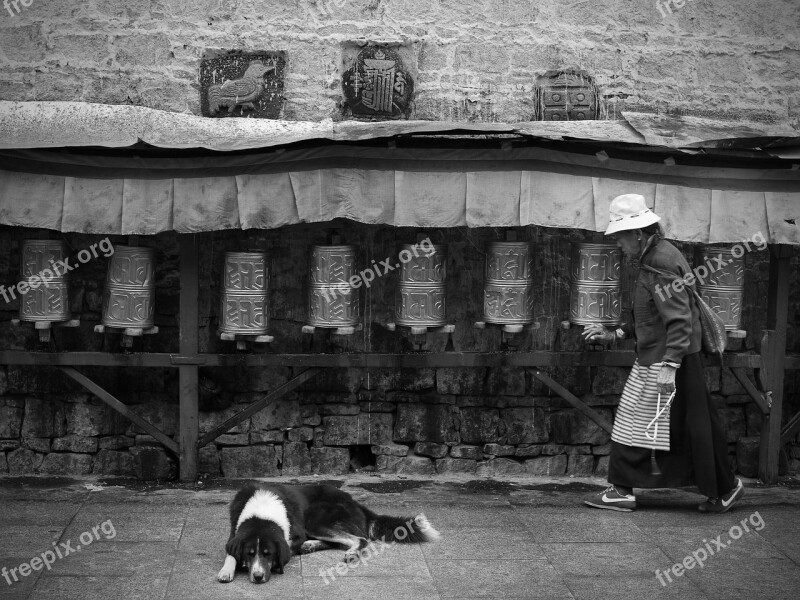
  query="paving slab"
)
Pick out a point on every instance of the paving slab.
point(484, 578)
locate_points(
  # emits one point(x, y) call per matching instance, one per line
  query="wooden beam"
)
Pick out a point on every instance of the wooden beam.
point(121, 408)
point(773, 359)
point(572, 399)
point(189, 346)
point(790, 429)
point(763, 401)
point(258, 405)
point(616, 358)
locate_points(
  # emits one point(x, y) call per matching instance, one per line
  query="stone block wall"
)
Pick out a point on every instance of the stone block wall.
point(416, 421)
point(477, 60)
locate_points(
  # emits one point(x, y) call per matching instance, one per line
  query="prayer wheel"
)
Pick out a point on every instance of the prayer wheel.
point(333, 293)
point(595, 284)
point(508, 291)
point(42, 268)
point(244, 304)
point(420, 294)
point(723, 285)
point(129, 295)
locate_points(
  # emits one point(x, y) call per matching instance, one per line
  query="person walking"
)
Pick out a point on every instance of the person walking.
point(690, 448)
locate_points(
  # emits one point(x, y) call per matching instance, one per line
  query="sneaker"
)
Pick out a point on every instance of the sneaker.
point(611, 499)
point(724, 504)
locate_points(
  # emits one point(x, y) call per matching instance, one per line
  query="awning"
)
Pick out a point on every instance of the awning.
point(399, 181)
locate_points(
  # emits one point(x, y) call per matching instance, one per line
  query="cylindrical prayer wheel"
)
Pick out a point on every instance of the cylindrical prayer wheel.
point(420, 294)
point(332, 298)
point(244, 304)
point(595, 286)
point(42, 268)
point(508, 291)
point(723, 286)
point(129, 295)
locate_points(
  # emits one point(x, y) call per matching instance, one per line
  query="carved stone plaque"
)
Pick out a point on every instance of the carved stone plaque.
point(566, 95)
point(242, 84)
point(378, 85)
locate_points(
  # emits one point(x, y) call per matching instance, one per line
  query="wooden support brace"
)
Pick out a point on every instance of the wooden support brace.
point(258, 405)
point(572, 399)
point(790, 429)
point(121, 408)
point(764, 401)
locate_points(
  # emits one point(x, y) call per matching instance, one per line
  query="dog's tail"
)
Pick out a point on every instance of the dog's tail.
point(398, 529)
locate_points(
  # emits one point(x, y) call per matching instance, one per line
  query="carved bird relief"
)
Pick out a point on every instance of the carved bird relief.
point(243, 92)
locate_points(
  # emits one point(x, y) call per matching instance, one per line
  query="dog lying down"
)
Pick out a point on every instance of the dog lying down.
point(272, 522)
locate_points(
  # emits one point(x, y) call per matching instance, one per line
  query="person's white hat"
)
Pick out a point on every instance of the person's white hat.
point(629, 211)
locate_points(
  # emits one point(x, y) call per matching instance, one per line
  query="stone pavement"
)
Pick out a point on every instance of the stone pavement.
point(522, 538)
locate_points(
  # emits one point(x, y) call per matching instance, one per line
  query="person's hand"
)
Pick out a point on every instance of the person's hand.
point(598, 333)
point(666, 380)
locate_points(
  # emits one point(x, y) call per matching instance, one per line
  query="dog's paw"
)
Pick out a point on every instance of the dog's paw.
point(225, 576)
point(308, 547)
point(352, 556)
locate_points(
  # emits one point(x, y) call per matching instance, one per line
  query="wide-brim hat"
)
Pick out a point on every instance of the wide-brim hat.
point(629, 211)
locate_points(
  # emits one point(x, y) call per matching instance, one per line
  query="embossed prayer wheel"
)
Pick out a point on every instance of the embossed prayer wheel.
point(508, 285)
point(244, 304)
point(129, 295)
point(42, 268)
point(332, 298)
point(420, 293)
point(595, 286)
point(722, 288)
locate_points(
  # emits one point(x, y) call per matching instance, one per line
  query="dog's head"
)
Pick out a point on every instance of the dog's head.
point(260, 547)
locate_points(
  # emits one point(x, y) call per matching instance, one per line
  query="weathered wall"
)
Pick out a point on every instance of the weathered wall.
point(485, 421)
point(477, 59)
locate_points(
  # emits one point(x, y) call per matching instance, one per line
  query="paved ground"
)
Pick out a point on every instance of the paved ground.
point(525, 538)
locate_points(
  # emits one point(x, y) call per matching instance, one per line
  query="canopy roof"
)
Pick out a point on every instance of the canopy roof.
point(131, 170)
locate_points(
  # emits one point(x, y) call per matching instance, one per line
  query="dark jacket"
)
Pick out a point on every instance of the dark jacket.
point(666, 320)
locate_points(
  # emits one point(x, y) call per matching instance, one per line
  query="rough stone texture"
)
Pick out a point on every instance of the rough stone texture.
point(390, 450)
point(301, 434)
point(580, 464)
point(116, 442)
point(528, 451)
point(67, 464)
point(463, 451)
point(281, 414)
point(410, 380)
point(431, 449)
point(408, 465)
point(152, 463)
point(547, 465)
point(43, 418)
point(162, 415)
point(571, 427)
point(208, 460)
point(500, 466)
point(209, 420)
point(233, 439)
point(37, 444)
point(460, 381)
point(75, 443)
point(8, 445)
point(425, 423)
point(331, 461)
point(733, 422)
point(506, 381)
point(747, 449)
point(609, 380)
point(525, 425)
point(90, 420)
point(499, 450)
point(24, 462)
point(340, 409)
point(602, 450)
point(111, 462)
point(601, 470)
point(358, 430)
point(456, 465)
point(251, 461)
point(10, 422)
point(3, 463)
point(479, 425)
point(266, 437)
point(296, 459)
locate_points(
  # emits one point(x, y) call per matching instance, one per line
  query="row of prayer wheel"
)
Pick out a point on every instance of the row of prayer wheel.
point(334, 276)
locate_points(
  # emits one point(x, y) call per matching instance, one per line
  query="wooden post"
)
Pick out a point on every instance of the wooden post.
point(188, 373)
point(773, 360)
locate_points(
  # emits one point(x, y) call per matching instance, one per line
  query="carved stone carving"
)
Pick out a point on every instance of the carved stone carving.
point(566, 95)
point(378, 84)
point(236, 84)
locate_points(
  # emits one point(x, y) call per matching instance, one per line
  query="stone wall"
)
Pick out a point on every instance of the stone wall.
point(477, 60)
point(470, 420)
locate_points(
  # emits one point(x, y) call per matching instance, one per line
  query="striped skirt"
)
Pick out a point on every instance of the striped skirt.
point(635, 423)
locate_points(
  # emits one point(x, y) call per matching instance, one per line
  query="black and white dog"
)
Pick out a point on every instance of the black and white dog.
point(272, 522)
